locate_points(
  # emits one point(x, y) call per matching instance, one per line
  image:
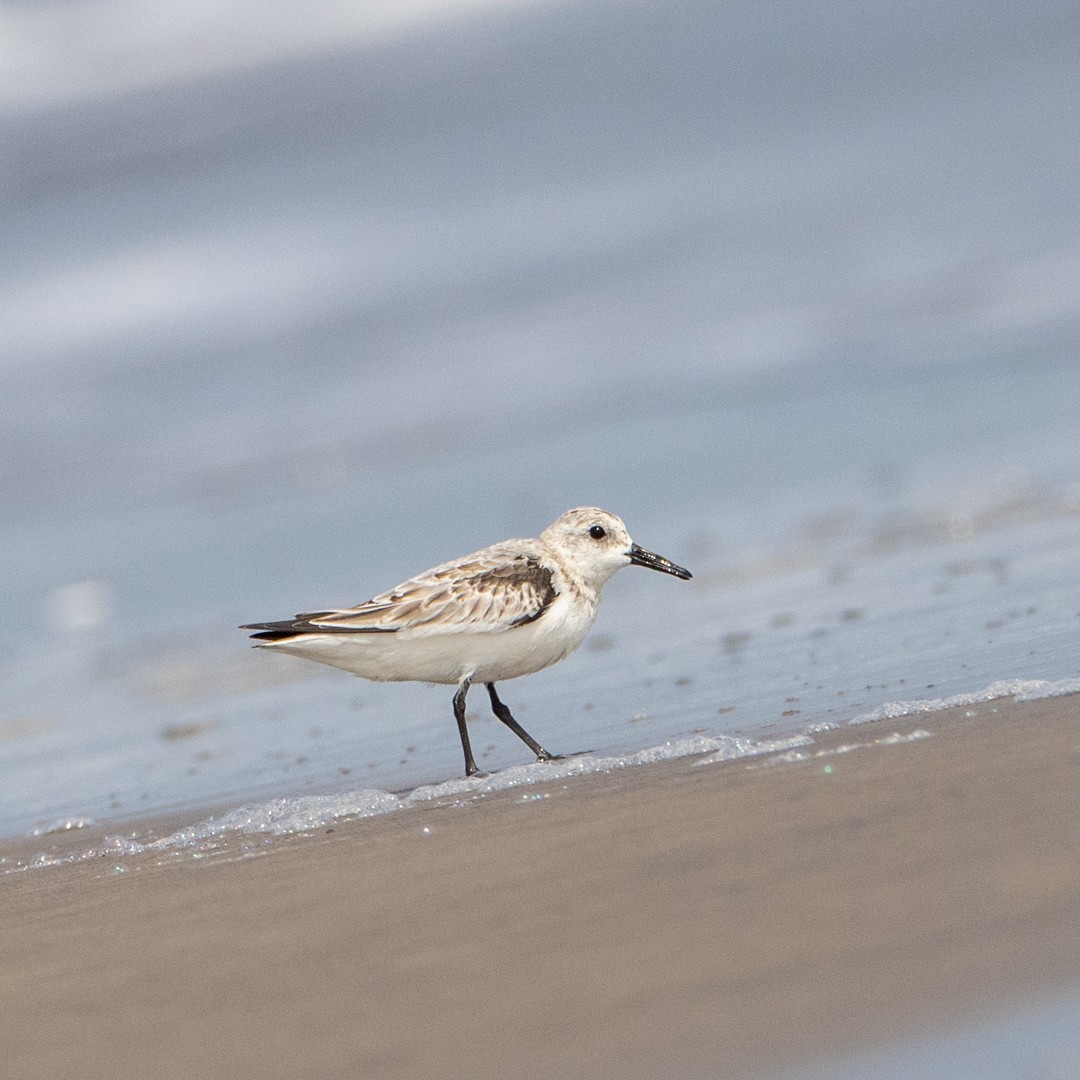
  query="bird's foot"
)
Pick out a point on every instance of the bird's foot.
point(545, 756)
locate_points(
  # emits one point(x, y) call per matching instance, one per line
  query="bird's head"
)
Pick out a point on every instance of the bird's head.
point(596, 544)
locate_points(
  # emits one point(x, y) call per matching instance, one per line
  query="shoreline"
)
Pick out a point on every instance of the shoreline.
point(724, 919)
point(207, 824)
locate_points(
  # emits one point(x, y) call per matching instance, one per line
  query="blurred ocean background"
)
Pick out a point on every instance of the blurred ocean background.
point(297, 301)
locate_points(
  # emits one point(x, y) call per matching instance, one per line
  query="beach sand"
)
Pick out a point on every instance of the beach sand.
point(722, 920)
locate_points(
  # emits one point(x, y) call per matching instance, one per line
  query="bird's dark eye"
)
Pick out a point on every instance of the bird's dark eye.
point(597, 532)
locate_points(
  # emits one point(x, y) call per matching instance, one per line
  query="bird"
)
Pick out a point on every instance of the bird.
point(500, 613)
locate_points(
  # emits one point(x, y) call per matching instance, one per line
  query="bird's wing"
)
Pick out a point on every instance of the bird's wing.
point(491, 591)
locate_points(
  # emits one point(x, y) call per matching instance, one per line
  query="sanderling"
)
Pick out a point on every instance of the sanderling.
point(506, 611)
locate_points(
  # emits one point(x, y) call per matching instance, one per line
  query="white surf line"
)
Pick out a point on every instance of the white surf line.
point(1019, 689)
point(306, 813)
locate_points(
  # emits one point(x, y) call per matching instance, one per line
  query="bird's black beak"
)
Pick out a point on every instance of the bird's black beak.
point(640, 557)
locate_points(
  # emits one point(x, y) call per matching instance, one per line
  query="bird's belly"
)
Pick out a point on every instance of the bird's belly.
point(534, 646)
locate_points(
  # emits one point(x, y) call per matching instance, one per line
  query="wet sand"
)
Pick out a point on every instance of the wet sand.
point(679, 920)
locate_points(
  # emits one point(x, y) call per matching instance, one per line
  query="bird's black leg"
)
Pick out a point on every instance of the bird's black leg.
point(503, 713)
point(459, 715)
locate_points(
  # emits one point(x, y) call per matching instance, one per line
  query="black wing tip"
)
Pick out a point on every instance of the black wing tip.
point(282, 631)
point(273, 631)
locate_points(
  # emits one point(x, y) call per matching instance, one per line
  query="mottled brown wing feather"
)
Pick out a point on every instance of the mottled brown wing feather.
point(481, 596)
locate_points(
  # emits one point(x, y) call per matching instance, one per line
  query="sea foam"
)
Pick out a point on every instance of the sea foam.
point(306, 813)
point(1020, 689)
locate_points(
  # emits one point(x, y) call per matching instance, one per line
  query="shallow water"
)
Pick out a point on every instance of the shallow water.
point(283, 329)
